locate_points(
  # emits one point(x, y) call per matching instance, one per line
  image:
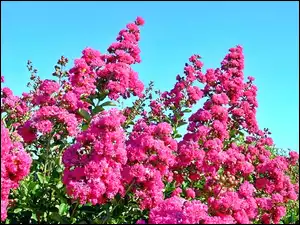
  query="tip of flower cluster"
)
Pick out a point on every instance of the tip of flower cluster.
point(139, 21)
point(251, 78)
point(239, 47)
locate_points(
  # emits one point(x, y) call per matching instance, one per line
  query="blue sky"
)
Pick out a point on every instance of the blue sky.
point(268, 32)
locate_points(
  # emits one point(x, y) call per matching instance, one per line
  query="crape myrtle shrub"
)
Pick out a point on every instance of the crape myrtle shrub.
point(69, 156)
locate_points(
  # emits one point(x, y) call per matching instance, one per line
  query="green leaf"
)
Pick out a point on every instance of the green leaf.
point(102, 95)
point(41, 177)
point(292, 219)
point(85, 115)
point(59, 169)
point(97, 109)
point(35, 188)
point(181, 123)
point(33, 216)
point(108, 103)
point(85, 127)
point(88, 100)
point(59, 185)
point(63, 208)
point(241, 133)
point(177, 136)
point(55, 216)
point(130, 123)
point(184, 185)
point(232, 133)
point(17, 210)
point(187, 111)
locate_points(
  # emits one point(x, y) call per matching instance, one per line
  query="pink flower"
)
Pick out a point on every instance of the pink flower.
point(97, 155)
point(241, 217)
point(47, 113)
point(266, 218)
point(190, 193)
point(15, 166)
point(194, 93)
point(246, 190)
point(177, 192)
point(279, 212)
point(28, 134)
point(156, 108)
point(139, 21)
point(277, 198)
point(44, 126)
point(92, 57)
point(294, 157)
point(220, 98)
point(220, 220)
point(176, 210)
point(49, 87)
point(251, 78)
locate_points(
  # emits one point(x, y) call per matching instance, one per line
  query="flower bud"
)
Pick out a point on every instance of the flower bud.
point(223, 179)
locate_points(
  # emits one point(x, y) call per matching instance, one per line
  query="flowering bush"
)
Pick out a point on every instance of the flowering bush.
point(67, 158)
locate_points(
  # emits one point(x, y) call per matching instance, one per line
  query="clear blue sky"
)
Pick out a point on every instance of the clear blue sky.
point(268, 31)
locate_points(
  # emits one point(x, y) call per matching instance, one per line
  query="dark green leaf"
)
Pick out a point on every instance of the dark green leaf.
point(103, 95)
point(97, 109)
point(84, 114)
point(56, 217)
point(177, 136)
point(181, 124)
point(88, 100)
point(187, 110)
point(108, 103)
point(41, 177)
point(85, 127)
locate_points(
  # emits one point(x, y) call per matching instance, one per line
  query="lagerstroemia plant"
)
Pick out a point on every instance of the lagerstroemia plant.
point(67, 158)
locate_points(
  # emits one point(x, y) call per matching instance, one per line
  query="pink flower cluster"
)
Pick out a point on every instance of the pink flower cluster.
point(15, 107)
point(15, 165)
point(44, 120)
point(241, 206)
point(44, 93)
point(184, 93)
point(117, 75)
point(150, 151)
point(105, 72)
point(209, 127)
point(272, 178)
point(222, 167)
point(211, 149)
point(176, 210)
point(81, 81)
point(156, 108)
point(93, 164)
